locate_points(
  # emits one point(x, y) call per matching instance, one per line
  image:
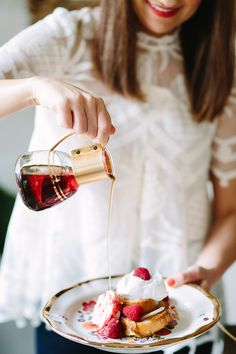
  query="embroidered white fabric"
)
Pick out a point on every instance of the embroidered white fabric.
point(162, 159)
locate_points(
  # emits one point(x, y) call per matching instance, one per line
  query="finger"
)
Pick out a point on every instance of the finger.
point(104, 123)
point(80, 124)
point(192, 275)
point(92, 117)
point(64, 116)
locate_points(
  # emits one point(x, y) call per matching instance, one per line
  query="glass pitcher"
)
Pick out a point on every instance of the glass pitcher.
point(48, 177)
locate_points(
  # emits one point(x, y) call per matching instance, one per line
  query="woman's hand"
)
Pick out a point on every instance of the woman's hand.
point(206, 278)
point(75, 108)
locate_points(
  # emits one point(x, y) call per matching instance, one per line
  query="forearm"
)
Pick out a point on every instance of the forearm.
point(219, 251)
point(73, 107)
point(15, 95)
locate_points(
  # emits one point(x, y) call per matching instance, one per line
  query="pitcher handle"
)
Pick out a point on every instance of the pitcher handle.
point(67, 136)
point(61, 140)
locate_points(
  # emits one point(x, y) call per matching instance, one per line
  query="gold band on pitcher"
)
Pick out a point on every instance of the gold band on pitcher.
point(54, 179)
point(91, 163)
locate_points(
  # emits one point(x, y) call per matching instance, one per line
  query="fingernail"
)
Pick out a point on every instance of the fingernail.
point(171, 281)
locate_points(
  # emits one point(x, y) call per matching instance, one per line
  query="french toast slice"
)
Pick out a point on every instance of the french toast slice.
point(147, 326)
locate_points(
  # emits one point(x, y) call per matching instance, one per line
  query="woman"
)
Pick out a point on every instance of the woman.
point(164, 70)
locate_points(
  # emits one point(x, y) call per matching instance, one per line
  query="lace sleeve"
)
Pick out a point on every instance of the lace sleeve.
point(43, 48)
point(224, 143)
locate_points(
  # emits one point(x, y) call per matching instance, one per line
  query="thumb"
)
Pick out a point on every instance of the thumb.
point(192, 275)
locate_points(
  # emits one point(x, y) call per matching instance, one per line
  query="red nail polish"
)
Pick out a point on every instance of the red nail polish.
point(171, 282)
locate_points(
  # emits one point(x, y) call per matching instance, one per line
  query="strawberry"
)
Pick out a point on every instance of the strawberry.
point(133, 312)
point(142, 273)
point(163, 332)
point(112, 329)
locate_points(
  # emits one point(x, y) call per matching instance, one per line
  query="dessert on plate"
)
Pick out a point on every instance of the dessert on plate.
point(138, 307)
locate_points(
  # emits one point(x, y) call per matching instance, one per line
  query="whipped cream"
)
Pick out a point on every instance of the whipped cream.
point(134, 288)
point(105, 308)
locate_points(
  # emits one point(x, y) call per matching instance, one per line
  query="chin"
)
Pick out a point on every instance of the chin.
point(159, 30)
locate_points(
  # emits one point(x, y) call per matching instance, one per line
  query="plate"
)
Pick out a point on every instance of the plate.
point(67, 312)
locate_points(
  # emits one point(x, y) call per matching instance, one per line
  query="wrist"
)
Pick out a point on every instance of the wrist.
point(214, 268)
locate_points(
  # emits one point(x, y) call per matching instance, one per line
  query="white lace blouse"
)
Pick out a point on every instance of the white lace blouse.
point(162, 159)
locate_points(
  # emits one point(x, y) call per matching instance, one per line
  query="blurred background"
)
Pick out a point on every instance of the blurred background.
point(14, 138)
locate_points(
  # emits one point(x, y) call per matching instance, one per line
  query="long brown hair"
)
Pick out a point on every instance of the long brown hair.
point(207, 41)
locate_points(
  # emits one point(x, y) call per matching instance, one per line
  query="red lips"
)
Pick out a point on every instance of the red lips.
point(162, 11)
